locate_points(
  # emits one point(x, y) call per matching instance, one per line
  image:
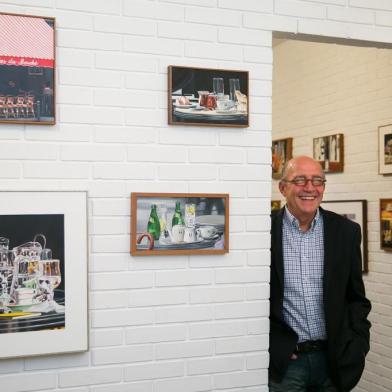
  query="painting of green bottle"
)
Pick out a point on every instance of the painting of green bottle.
point(173, 223)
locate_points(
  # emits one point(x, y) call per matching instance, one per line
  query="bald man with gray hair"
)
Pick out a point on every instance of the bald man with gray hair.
point(319, 331)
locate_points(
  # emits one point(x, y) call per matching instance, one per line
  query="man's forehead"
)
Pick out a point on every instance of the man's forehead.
point(305, 168)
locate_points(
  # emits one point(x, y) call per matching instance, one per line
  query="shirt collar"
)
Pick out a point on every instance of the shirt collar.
point(289, 218)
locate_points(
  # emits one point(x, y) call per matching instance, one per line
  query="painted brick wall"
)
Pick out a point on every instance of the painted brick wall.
point(164, 323)
point(321, 89)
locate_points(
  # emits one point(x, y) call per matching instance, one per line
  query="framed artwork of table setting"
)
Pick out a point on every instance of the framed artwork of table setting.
point(329, 152)
point(27, 69)
point(385, 149)
point(179, 223)
point(206, 96)
point(43, 273)
point(355, 210)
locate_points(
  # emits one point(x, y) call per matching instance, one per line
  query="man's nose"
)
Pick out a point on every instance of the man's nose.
point(309, 185)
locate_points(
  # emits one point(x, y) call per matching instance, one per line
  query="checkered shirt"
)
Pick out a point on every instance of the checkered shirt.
point(303, 258)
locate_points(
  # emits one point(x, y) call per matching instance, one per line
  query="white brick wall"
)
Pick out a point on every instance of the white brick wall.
point(182, 323)
point(345, 89)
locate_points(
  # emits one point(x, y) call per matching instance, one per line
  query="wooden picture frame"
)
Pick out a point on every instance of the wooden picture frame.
point(355, 210)
point(329, 152)
point(201, 228)
point(208, 97)
point(386, 224)
point(282, 151)
point(27, 69)
point(43, 255)
point(385, 149)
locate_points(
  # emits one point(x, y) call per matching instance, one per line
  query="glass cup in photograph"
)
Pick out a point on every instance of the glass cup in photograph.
point(234, 85)
point(4, 243)
point(218, 87)
point(6, 272)
point(46, 254)
point(50, 278)
point(203, 95)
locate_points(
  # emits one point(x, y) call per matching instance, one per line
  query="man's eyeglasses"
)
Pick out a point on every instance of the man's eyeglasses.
point(302, 181)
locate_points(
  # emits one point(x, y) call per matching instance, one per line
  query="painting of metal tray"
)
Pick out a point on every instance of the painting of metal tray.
point(180, 245)
point(210, 115)
point(49, 320)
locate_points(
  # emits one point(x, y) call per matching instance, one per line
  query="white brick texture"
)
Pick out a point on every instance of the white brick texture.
point(192, 323)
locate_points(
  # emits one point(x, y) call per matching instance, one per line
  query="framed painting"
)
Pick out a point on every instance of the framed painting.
point(329, 151)
point(385, 149)
point(27, 69)
point(43, 273)
point(179, 223)
point(205, 96)
point(275, 205)
point(386, 224)
point(282, 151)
point(355, 210)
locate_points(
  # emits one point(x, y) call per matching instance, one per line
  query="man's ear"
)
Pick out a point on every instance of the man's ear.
point(282, 188)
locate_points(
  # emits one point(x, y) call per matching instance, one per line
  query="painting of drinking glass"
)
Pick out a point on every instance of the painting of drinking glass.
point(386, 224)
point(27, 69)
point(38, 300)
point(329, 152)
point(204, 96)
point(179, 223)
point(385, 149)
point(32, 271)
point(282, 151)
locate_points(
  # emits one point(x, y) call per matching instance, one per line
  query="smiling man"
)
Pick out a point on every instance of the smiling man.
point(319, 332)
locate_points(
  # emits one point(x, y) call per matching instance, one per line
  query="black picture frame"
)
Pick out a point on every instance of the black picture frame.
point(193, 101)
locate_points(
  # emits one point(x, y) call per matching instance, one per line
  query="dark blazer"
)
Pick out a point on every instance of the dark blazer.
point(345, 305)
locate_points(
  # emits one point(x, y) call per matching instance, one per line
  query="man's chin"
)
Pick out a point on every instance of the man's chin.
point(309, 207)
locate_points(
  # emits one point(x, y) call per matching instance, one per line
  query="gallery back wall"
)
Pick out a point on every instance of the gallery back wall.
point(158, 324)
point(322, 89)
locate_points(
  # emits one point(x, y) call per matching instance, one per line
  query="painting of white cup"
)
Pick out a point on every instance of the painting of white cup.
point(207, 232)
point(189, 235)
point(177, 233)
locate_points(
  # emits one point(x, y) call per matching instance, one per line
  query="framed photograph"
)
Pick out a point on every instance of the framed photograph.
point(43, 273)
point(27, 69)
point(179, 223)
point(329, 151)
point(385, 149)
point(356, 210)
point(282, 151)
point(275, 205)
point(386, 224)
point(204, 96)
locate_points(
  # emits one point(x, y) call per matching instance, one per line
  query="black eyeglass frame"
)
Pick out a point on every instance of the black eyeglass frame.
point(302, 181)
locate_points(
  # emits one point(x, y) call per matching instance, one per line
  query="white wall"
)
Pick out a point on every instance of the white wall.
point(321, 89)
point(191, 323)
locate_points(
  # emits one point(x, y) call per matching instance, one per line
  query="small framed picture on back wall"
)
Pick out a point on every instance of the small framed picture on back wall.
point(385, 149)
point(282, 151)
point(329, 152)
